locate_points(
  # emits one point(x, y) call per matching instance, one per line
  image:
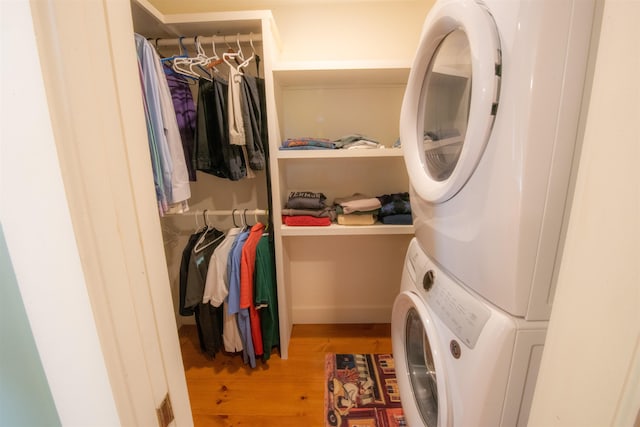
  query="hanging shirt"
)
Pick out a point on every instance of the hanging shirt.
point(184, 272)
point(266, 296)
point(185, 110)
point(180, 189)
point(244, 323)
point(247, 270)
point(208, 318)
point(252, 120)
point(199, 264)
point(153, 151)
point(151, 94)
point(216, 291)
point(213, 152)
point(234, 112)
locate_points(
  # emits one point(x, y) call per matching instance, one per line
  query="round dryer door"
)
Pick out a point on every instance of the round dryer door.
point(419, 370)
point(451, 98)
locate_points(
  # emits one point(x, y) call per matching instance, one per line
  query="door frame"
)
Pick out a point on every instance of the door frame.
point(87, 66)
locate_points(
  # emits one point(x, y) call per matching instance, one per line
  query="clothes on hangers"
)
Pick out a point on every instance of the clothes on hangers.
point(209, 319)
point(252, 120)
point(217, 289)
point(185, 110)
point(170, 171)
point(224, 135)
point(236, 117)
point(228, 282)
point(266, 297)
point(213, 152)
point(244, 323)
point(247, 269)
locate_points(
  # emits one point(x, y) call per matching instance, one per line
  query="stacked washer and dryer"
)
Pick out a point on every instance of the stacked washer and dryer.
point(489, 126)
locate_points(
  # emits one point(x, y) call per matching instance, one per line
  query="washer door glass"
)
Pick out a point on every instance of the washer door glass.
point(451, 99)
point(422, 373)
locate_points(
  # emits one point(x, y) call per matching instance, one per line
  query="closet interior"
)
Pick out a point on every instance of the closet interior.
point(325, 274)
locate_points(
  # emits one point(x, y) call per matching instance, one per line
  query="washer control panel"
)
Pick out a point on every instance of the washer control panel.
point(459, 310)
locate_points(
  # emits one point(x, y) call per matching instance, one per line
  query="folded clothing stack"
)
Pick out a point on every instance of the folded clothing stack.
point(307, 208)
point(349, 142)
point(395, 209)
point(356, 141)
point(307, 144)
point(358, 209)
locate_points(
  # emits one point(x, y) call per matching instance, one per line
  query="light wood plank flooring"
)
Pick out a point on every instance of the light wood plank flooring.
point(225, 392)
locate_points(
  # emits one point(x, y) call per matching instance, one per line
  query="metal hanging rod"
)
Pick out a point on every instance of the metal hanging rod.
point(242, 214)
point(227, 212)
point(227, 39)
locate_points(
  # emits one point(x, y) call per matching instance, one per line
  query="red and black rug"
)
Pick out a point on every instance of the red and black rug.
point(361, 390)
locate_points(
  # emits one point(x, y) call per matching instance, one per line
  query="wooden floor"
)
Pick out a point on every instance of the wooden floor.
point(225, 392)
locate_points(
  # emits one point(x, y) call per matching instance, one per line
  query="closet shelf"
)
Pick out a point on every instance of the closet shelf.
point(346, 230)
point(340, 73)
point(339, 153)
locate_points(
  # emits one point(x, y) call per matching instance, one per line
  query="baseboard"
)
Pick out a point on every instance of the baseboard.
point(312, 315)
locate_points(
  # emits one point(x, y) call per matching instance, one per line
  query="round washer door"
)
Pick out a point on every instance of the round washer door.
point(451, 98)
point(419, 367)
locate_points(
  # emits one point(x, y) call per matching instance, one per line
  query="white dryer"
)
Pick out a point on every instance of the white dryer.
point(459, 360)
point(488, 126)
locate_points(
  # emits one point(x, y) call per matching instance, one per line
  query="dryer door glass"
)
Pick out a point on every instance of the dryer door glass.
point(422, 371)
point(446, 105)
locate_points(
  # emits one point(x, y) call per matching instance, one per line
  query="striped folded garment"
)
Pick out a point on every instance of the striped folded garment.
point(295, 143)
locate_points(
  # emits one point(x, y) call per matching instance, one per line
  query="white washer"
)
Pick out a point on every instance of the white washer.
point(488, 126)
point(459, 360)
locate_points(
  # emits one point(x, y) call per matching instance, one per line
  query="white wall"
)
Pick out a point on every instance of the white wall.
point(590, 372)
point(331, 30)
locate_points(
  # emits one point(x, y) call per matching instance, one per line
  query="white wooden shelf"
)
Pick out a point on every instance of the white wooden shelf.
point(346, 230)
point(339, 153)
point(340, 73)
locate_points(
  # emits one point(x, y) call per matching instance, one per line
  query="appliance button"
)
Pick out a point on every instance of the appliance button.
point(428, 280)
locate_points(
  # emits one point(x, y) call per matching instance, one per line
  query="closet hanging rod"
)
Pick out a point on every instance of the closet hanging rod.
point(221, 40)
point(227, 212)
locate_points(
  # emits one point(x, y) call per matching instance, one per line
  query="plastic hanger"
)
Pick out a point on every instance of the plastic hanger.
point(183, 51)
point(257, 57)
point(186, 65)
point(245, 226)
point(241, 56)
point(182, 61)
point(200, 245)
point(201, 59)
point(233, 218)
point(215, 60)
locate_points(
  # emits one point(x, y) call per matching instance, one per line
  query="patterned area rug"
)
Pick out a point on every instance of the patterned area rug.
point(361, 390)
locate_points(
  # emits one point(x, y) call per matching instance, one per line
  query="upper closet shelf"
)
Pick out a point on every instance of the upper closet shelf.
point(151, 23)
point(331, 73)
